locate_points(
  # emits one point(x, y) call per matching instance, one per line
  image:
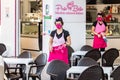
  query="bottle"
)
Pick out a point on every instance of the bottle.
point(105, 39)
point(116, 9)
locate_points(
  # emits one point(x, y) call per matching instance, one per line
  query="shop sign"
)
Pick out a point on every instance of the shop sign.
point(70, 10)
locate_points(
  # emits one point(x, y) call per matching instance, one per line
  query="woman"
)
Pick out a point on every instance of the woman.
point(99, 29)
point(59, 39)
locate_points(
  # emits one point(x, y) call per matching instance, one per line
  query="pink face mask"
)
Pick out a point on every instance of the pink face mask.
point(99, 18)
point(58, 26)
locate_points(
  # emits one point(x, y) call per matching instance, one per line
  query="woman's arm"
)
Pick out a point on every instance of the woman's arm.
point(68, 42)
point(50, 43)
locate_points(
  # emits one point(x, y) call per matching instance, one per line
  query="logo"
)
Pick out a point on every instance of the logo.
point(69, 8)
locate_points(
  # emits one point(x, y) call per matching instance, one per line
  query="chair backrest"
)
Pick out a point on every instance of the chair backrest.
point(94, 54)
point(109, 56)
point(2, 48)
point(25, 54)
point(40, 61)
point(116, 73)
point(87, 61)
point(86, 48)
point(70, 51)
point(92, 73)
point(56, 67)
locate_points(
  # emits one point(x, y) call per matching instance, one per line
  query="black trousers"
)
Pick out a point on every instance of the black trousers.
point(101, 49)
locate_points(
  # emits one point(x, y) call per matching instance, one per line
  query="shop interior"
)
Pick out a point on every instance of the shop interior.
point(31, 22)
point(31, 31)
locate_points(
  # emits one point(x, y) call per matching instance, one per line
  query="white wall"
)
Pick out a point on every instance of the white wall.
point(9, 26)
point(74, 17)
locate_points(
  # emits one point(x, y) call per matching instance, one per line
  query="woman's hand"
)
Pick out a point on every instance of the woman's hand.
point(103, 34)
point(99, 35)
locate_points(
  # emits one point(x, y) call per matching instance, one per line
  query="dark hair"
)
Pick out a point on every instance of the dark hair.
point(59, 19)
point(100, 14)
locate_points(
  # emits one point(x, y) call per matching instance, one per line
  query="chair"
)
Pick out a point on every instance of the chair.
point(2, 48)
point(116, 74)
point(109, 57)
point(24, 54)
point(70, 51)
point(94, 54)
point(40, 63)
point(10, 75)
point(87, 61)
point(92, 73)
point(86, 48)
point(57, 70)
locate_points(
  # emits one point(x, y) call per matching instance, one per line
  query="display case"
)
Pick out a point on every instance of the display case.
point(31, 29)
point(31, 38)
point(111, 15)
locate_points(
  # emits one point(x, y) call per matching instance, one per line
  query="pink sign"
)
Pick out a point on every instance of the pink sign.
point(68, 8)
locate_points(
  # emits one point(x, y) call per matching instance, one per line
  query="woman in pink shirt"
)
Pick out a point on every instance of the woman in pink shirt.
point(59, 39)
point(99, 29)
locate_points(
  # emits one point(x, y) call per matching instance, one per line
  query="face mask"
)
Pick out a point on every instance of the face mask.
point(58, 26)
point(99, 18)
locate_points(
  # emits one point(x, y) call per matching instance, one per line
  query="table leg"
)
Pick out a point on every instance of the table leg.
point(27, 71)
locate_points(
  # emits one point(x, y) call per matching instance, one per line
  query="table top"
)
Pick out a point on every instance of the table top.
point(82, 53)
point(80, 69)
point(18, 60)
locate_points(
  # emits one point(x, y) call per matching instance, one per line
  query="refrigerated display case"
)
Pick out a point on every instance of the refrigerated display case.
point(31, 38)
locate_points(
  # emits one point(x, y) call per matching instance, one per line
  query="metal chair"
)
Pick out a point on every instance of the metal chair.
point(109, 57)
point(94, 54)
point(92, 73)
point(116, 74)
point(38, 66)
point(24, 54)
point(57, 70)
point(10, 75)
point(2, 48)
